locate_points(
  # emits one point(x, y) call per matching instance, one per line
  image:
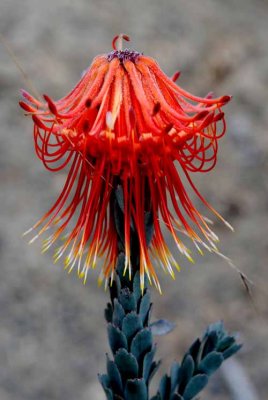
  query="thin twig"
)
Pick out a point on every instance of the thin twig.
point(17, 63)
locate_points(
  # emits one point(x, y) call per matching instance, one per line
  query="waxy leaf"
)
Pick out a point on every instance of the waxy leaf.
point(216, 327)
point(175, 375)
point(116, 338)
point(196, 384)
point(195, 348)
point(120, 268)
point(108, 312)
point(147, 364)
point(154, 368)
point(225, 343)
point(131, 325)
point(145, 307)
point(211, 362)
point(164, 387)
point(127, 364)
point(142, 343)
point(115, 377)
point(187, 370)
point(231, 351)
point(105, 382)
point(176, 396)
point(118, 314)
point(127, 300)
point(137, 286)
point(136, 390)
point(161, 327)
point(210, 343)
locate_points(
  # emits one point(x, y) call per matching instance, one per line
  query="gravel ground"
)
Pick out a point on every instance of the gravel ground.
point(52, 333)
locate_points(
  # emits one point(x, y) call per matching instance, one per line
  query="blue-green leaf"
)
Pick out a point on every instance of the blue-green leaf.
point(226, 342)
point(164, 387)
point(137, 286)
point(109, 393)
point(211, 363)
point(115, 378)
point(176, 396)
point(187, 369)
point(231, 351)
point(210, 343)
point(120, 268)
point(116, 338)
point(131, 325)
point(175, 375)
point(136, 390)
point(161, 327)
point(114, 288)
point(127, 300)
point(127, 364)
point(154, 367)
point(118, 314)
point(195, 349)
point(108, 313)
point(142, 343)
point(216, 327)
point(145, 306)
point(105, 382)
point(147, 364)
point(196, 384)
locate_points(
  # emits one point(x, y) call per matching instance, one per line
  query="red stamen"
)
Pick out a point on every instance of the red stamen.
point(225, 99)
point(39, 123)
point(26, 107)
point(218, 117)
point(176, 76)
point(51, 105)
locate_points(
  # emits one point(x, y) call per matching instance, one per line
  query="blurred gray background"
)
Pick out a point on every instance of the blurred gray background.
point(52, 332)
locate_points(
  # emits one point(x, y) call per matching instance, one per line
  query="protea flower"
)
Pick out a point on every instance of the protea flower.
point(126, 123)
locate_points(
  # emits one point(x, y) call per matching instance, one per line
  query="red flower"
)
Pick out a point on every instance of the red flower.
point(126, 121)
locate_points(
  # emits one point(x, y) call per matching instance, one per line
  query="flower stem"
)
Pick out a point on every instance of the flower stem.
point(128, 312)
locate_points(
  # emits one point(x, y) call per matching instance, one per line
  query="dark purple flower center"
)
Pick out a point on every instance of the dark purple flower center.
point(123, 55)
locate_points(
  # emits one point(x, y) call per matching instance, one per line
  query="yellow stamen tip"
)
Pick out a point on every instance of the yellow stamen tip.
point(189, 258)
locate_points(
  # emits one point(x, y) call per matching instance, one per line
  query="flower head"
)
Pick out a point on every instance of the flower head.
point(126, 121)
